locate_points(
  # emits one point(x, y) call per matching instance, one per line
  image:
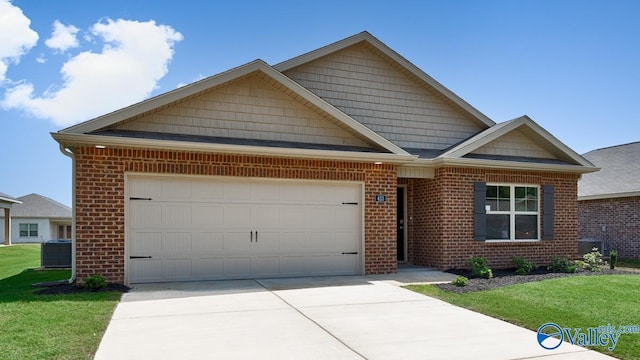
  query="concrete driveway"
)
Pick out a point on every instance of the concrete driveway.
point(311, 318)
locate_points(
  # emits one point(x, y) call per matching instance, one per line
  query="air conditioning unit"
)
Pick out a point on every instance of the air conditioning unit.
point(56, 254)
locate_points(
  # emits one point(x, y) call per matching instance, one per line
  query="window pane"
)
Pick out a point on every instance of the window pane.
point(493, 205)
point(527, 227)
point(33, 230)
point(60, 231)
point(504, 205)
point(504, 192)
point(24, 230)
point(68, 231)
point(498, 227)
point(492, 192)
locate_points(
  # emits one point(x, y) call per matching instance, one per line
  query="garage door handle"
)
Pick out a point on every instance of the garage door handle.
point(139, 257)
point(350, 253)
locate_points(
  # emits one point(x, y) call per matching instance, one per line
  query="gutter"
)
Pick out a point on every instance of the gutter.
point(70, 154)
point(507, 165)
point(93, 140)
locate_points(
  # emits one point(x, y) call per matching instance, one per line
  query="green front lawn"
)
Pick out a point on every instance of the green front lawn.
point(571, 302)
point(33, 326)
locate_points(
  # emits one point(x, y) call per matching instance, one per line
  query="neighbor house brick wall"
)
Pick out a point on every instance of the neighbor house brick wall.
point(100, 197)
point(621, 216)
point(443, 219)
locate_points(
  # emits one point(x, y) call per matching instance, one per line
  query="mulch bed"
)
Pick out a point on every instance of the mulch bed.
point(72, 289)
point(508, 277)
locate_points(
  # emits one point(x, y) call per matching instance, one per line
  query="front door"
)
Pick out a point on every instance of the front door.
point(401, 241)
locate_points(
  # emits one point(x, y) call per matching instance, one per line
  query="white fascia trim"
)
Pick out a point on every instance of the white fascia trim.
point(480, 139)
point(365, 36)
point(9, 200)
point(609, 196)
point(511, 165)
point(557, 143)
point(69, 140)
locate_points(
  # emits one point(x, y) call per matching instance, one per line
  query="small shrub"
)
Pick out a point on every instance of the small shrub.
point(460, 281)
point(523, 266)
point(593, 260)
point(486, 273)
point(561, 264)
point(613, 259)
point(480, 268)
point(95, 282)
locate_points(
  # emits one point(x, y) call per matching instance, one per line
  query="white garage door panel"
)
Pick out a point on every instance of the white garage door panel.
point(204, 229)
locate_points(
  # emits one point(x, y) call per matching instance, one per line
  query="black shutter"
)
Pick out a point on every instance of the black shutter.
point(479, 211)
point(547, 212)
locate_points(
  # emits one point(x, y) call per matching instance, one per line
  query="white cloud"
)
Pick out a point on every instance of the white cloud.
point(200, 77)
point(133, 59)
point(16, 36)
point(63, 37)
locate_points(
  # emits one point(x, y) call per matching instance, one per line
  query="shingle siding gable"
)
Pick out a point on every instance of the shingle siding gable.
point(249, 108)
point(515, 143)
point(370, 89)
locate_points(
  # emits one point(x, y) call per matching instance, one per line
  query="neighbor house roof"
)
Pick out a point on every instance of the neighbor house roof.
point(618, 176)
point(6, 198)
point(7, 201)
point(38, 206)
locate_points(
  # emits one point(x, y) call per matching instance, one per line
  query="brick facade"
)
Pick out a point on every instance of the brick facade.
point(441, 216)
point(439, 211)
point(100, 197)
point(621, 219)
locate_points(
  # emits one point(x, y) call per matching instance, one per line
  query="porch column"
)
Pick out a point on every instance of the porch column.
point(7, 226)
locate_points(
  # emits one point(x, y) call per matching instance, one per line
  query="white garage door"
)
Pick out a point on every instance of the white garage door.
point(232, 228)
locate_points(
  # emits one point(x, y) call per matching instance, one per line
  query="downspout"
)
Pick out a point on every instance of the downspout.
point(70, 154)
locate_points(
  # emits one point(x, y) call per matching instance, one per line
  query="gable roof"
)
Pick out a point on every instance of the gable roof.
point(38, 206)
point(395, 57)
point(618, 176)
point(543, 138)
point(109, 129)
point(163, 100)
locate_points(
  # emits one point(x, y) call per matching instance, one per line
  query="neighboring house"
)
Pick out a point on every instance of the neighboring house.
point(6, 204)
point(38, 219)
point(609, 200)
point(346, 160)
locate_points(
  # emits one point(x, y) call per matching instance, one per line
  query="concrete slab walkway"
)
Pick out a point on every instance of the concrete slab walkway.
point(351, 317)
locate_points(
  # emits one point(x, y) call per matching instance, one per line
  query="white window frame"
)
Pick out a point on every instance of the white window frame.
point(30, 227)
point(513, 213)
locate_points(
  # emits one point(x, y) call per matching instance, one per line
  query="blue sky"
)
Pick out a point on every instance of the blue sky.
point(572, 66)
